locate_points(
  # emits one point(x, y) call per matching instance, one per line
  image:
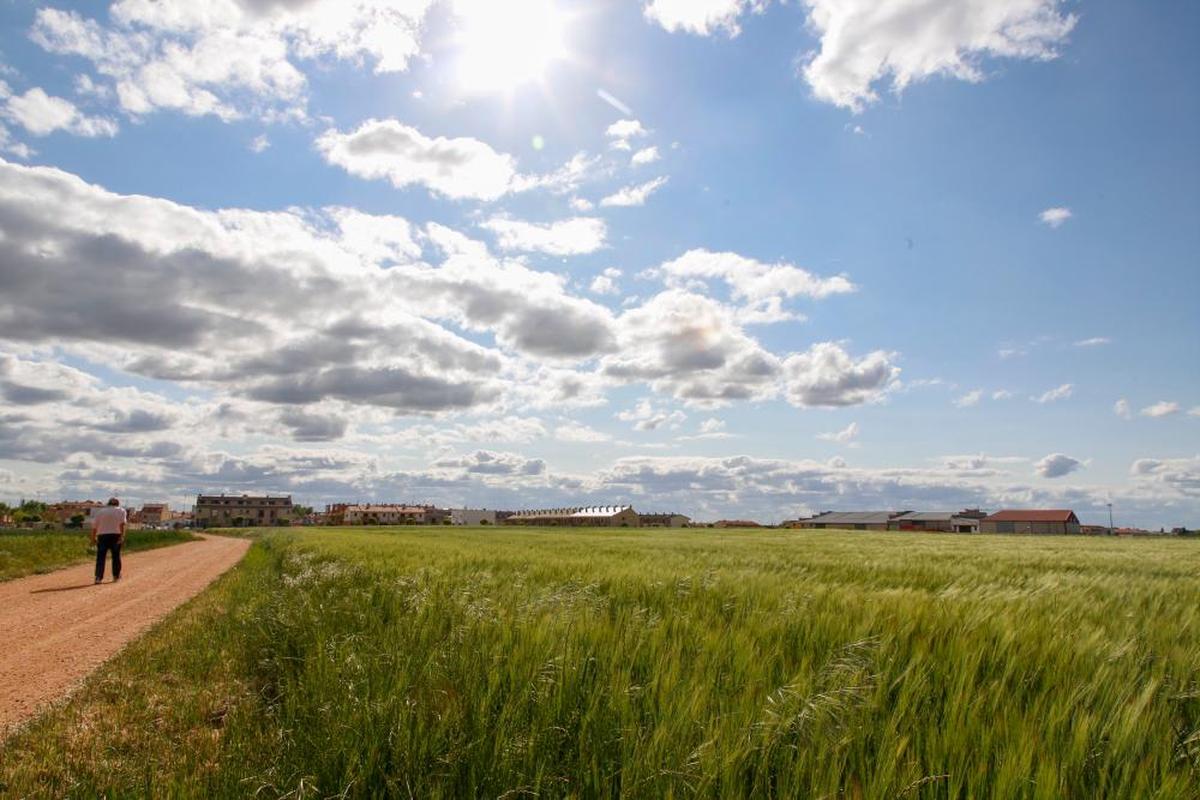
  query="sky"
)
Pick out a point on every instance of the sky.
point(729, 258)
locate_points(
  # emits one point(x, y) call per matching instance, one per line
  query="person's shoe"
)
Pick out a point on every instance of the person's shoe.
point(116, 578)
point(99, 581)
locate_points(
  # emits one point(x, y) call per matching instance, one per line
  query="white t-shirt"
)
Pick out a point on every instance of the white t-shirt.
point(108, 519)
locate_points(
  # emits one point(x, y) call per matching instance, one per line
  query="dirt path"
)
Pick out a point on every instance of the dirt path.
point(56, 628)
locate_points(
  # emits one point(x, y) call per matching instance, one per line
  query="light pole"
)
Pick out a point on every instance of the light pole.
point(1110, 522)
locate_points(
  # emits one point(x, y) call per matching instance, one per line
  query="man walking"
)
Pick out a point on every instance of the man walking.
point(108, 533)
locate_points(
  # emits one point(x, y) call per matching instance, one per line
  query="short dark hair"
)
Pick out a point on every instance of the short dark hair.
point(112, 501)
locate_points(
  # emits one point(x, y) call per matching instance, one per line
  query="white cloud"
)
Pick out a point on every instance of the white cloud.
point(692, 348)
point(700, 17)
point(712, 425)
point(578, 432)
point(626, 129)
point(562, 238)
point(1056, 465)
point(761, 288)
point(42, 114)
point(826, 375)
point(647, 155)
point(10, 145)
point(969, 399)
point(1001, 394)
point(864, 43)
point(1194, 411)
point(1053, 395)
point(457, 168)
point(1095, 341)
point(645, 417)
point(606, 282)
point(635, 195)
point(581, 204)
point(234, 57)
point(378, 238)
point(343, 309)
point(846, 436)
point(1163, 408)
point(1121, 409)
point(259, 143)
point(1179, 477)
point(1055, 217)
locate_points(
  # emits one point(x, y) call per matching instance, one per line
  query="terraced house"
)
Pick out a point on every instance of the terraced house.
point(384, 514)
point(242, 511)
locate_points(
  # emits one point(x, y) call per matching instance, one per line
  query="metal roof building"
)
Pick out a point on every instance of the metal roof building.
point(849, 520)
point(578, 517)
point(1043, 521)
point(944, 521)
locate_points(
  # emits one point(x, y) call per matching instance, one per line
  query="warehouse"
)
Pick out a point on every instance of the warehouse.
point(848, 520)
point(663, 520)
point(1047, 521)
point(936, 521)
point(578, 517)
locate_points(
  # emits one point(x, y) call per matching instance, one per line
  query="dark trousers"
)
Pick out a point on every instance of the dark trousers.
point(104, 543)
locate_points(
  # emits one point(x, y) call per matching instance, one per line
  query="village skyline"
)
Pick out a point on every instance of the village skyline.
point(723, 257)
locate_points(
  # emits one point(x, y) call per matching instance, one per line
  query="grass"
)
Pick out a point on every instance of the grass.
point(504, 663)
point(35, 552)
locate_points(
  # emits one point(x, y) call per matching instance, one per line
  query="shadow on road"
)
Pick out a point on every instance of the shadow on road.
point(62, 588)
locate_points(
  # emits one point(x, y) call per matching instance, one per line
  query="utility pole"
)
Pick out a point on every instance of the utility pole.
point(1110, 521)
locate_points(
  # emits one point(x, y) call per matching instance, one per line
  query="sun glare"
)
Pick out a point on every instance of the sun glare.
point(503, 44)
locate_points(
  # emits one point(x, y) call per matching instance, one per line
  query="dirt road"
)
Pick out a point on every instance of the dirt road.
point(57, 628)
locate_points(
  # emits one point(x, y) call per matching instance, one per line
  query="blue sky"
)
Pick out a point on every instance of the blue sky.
point(723, 257)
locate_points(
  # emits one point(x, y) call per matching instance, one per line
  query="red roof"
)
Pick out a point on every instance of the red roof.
point(1036, 515)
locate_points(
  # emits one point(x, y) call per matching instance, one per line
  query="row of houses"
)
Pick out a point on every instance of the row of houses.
point(232, 511)
point(76, 513)
point(971, 520)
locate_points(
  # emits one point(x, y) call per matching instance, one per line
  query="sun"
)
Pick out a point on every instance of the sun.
point(503, 44)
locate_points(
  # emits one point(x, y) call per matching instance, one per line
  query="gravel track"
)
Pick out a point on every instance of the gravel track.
point(55, 629)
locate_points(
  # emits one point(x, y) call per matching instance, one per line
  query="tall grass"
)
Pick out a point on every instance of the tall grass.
point(34, 552)
point(512, 664)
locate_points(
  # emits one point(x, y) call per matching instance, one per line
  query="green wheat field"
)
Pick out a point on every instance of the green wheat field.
point(502, 663)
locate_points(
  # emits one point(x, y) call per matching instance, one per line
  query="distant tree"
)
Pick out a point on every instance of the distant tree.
point(33, 508)
point(302, 511)
point(76, 521)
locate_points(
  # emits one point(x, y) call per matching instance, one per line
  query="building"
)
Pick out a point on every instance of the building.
point(155, 514)
point(241, 511)
point(936, 521)
point(472, 516)
point(1037, 521)
point(849, 520)
point(384, 514)
point(578, 517)
point(736, 523)
point(663, 520)
point(67, 510)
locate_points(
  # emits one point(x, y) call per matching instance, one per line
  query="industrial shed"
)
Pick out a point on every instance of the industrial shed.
point(849, 520)
point(670, 520)
point(578, 517)
point(938, 521)
point(1048, 521)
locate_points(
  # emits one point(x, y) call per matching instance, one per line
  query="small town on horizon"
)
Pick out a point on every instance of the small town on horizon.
point(258, 511)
